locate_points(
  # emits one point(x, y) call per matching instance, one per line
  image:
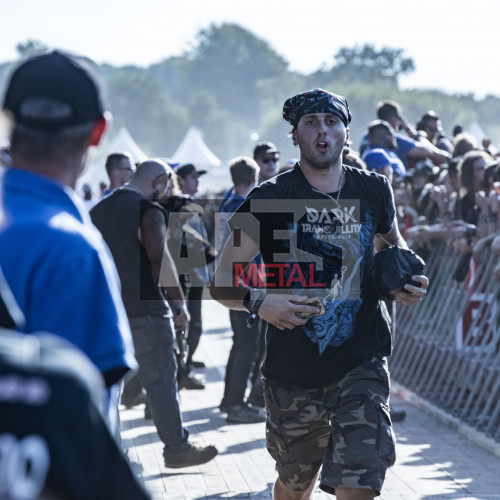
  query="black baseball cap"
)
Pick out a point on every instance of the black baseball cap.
point(188, 168)
point(424, 168)
point(264, 148)
point(68, 82)
point(375, 124)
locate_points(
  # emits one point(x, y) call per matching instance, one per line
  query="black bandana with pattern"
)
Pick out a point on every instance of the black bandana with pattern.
point(315, 101)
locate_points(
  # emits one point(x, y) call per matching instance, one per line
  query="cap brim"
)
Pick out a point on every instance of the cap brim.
point(201, 172)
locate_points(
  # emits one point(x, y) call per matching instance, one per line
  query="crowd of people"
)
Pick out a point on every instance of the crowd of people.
point(450, 191)
point(123, 275)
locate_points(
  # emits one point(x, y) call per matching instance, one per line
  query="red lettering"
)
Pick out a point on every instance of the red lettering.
point(250, 279)
point(299, 279)
point(273, 271)
point(273, 275)
point(265, 273)
point(312, 284)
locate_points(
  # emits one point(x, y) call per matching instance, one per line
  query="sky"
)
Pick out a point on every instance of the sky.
point(454, 44)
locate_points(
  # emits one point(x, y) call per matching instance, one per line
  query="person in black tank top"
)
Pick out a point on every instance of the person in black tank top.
point(134, 226)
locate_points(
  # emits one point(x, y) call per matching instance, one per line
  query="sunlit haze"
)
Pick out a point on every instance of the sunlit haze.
point(453, 44)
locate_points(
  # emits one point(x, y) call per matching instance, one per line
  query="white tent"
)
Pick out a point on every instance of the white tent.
point(193, 149)
point(477, 131)
point(122, 142)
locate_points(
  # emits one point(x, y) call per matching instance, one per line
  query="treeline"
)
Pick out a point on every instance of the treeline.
point(232, 84)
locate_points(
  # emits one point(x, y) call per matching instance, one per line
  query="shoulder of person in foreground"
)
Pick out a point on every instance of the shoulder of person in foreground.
point(69, 286)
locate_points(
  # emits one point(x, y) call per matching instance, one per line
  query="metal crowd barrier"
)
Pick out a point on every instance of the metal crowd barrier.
point(447, 348)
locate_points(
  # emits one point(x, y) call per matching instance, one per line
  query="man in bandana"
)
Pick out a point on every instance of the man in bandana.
point(325, 372)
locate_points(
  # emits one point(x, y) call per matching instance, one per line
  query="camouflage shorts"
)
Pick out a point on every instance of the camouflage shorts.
point(345, 427)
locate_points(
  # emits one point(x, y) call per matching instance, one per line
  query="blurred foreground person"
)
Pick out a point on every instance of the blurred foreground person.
point(54, 442)
point(55, 262)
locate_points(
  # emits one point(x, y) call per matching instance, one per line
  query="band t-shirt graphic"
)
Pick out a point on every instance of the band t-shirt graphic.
point(313, 244)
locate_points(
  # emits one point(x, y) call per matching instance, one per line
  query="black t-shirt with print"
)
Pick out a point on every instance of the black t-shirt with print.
point(313, 244)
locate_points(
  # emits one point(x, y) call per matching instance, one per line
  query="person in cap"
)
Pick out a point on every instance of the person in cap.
point(267, 156)
point(54, 260)
point(134, 226)
point(430, 124)
point(422, 188)
point(377, 160)
point(55, 443)
point(188, 177)
point(381, 135)
point(410, 145)
point(195, 279)
point(246, 339)
point(325, 371)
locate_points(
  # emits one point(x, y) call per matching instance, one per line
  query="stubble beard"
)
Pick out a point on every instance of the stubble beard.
point(322, 162)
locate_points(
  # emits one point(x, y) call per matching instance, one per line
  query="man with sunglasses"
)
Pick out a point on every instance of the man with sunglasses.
point(430, 123)
point(267, 157)
point(119, 167)
point(134, 226)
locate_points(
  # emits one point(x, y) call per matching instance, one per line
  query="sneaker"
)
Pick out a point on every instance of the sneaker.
point(256, 400)
point(224, 406)
point(398, 415)
point(136, 400)
point(192, 455)
point(244, 415)
point(190, 382)
point(197, 364)
point(147, 412)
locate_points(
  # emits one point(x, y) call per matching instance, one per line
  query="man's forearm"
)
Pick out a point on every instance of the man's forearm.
point(168, 281)
point(223, 290)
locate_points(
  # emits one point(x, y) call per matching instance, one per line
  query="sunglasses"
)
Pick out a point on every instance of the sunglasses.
point(433, 128)
point(270, 160)
point(161, 175)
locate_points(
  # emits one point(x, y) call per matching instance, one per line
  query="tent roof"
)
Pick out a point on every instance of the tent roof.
point(124, 142)
point(193, 150)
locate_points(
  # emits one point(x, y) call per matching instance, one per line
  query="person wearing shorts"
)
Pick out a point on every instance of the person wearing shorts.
point(301, 439)
point(325, 369)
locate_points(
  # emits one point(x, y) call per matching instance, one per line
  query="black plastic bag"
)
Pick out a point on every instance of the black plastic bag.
point(393, 268)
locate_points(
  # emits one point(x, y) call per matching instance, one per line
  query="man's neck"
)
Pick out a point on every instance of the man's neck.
point(65, 173)
point(326, 180)
point(131, 186)
point(243, 190)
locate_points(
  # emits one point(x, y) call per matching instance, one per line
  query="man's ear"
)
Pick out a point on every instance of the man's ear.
point(99, 129)
point(294, 137)
point(346, 136)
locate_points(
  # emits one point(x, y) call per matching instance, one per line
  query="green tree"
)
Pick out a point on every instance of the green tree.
point(139, 101)
point(367, 64)
point(29, 47)
point(231, 62)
